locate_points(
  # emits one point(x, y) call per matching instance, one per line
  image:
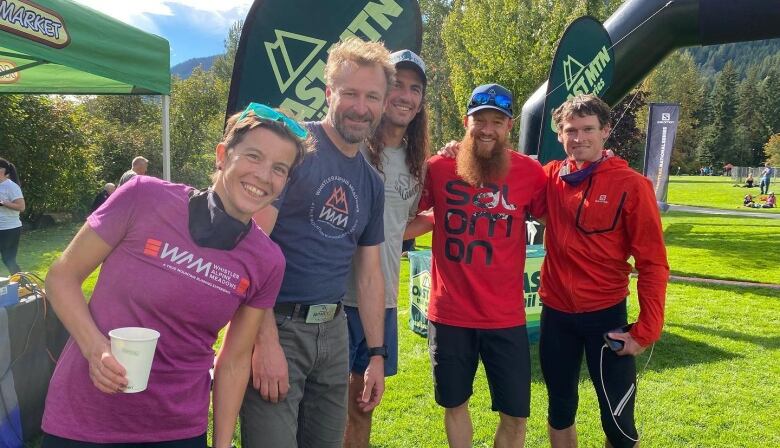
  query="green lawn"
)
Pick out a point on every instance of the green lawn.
point(712, 380)
point(712, 192)
point(700, 388)
point(723, 247)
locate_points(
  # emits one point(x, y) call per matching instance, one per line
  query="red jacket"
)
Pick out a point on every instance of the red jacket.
point(591, 231)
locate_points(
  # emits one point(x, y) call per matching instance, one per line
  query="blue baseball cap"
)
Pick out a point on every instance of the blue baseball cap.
point(490, 96)
point(408, 59)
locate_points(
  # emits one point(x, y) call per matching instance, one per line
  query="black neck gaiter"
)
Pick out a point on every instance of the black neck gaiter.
point(210, 226)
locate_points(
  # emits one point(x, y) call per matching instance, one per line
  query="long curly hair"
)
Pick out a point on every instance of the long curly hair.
point(417, 145)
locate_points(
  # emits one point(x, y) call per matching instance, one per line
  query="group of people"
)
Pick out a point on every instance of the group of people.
point(139, 166)
point(766, 198)
point(297, 244)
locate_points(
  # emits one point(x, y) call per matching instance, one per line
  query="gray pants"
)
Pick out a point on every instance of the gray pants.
point(315, 411)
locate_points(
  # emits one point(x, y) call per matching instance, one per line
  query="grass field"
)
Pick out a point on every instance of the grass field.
point(699, 390)
point(712, 380)
point(713, 192)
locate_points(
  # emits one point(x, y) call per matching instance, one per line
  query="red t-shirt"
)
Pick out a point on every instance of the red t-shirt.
point(479, 243)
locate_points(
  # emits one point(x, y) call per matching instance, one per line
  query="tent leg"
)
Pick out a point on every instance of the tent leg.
point(166, 137)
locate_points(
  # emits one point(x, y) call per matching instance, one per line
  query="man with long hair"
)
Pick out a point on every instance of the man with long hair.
point(398, 150)
point(477, 310)
point(329, 215)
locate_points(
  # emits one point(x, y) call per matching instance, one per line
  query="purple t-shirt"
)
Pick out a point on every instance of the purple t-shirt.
point(157, 277)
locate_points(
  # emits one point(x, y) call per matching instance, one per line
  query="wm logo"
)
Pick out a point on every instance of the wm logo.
point(338, 201)
point(286, 68)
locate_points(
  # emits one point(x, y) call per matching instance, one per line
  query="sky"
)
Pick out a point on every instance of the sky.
point(194, 28)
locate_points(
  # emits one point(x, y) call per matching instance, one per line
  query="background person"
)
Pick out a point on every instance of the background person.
point(102, 196)
point(771, 201)
point(11, 205)
point(139, 167)
point(397, 150)
point(766, 178)
point(185, 267)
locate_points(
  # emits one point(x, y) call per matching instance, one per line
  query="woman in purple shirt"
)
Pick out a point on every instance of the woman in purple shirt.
point(185, 263)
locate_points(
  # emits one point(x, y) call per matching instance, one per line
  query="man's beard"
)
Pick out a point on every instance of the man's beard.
point(350, 136)
point(476, 167)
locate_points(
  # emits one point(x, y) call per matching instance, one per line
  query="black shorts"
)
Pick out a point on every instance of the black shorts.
point(455, 353)
point(50, 441)
point(563, 340)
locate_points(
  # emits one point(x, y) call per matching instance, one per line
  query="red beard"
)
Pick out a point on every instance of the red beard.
point(479, 167)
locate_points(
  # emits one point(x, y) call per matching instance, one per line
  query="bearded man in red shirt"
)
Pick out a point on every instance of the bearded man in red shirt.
point(476, 311)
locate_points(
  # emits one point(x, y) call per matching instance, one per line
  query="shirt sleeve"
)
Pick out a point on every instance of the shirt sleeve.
point(374, 232)
point(16, 192)
point(643, 227)
point(267, 290)
point(426, 196)
point(112, 220)
point(538, 208)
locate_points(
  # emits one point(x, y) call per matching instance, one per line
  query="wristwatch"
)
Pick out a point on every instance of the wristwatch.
point(378, 351)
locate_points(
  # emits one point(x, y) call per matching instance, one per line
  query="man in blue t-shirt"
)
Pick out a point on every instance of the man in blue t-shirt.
point(330, 212)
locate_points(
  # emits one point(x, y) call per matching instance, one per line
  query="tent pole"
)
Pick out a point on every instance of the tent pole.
point(166, 137)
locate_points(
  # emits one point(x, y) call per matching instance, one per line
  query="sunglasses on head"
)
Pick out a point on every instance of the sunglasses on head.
point(483, 98)
point(263, 111)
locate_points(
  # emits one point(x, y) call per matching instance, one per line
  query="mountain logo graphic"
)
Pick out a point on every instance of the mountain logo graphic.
point(338, 201)
point(288, 67)
point(570, 77)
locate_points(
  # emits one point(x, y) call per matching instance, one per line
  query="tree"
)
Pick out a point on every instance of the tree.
point(509, 42)
point(772, 150)
point(677, 80)
point(720, 133)
point(43, 138)
point(223, 65)
point(444, 115)
point(752, 129)
point(197, 117)
point(626, 137)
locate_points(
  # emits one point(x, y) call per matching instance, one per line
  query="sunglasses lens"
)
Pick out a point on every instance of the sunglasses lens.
point(480, 99)
point(503, 102)
point(263, 111)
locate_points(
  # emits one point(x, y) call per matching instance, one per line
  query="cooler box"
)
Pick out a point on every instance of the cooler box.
point(420, 287)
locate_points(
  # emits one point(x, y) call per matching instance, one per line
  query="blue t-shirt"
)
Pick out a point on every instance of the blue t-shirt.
point(332, 204)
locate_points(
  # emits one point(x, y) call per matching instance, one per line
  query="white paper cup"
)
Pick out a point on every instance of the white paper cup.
point(134, 348)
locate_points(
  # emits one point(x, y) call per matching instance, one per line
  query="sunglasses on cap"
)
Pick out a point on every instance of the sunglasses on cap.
point(263, 111)
point(483, 98)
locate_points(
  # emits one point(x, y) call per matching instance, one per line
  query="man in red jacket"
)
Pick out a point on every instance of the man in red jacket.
point(599, 213)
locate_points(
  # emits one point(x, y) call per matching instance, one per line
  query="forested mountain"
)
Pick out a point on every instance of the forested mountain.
point(711, 59)
point(184, 69)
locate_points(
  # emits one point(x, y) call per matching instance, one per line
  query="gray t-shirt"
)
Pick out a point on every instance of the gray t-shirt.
point(402, 193)
point(129, 174)
point(331, 205)
point(9, 192)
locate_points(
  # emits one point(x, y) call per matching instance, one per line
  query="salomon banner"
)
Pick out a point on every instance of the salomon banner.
point(583, 63)
point(420, 288)
point(284, 46)
point(661, 129)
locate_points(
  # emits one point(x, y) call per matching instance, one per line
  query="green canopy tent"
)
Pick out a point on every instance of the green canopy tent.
point(62, 47)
